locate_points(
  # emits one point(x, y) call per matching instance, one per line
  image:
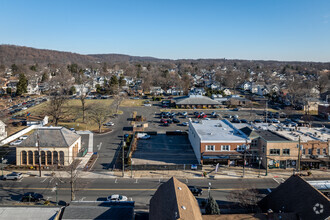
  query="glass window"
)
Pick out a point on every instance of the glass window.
point(309, 151)
point(304, 151)
point(286, 151)
point(209, 147)
point(240, 148)
point(225, 147)
point(324, 151)
point(318, 151)
point(275, 152)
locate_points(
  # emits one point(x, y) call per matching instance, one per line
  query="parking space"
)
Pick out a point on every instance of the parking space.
point(164, 149)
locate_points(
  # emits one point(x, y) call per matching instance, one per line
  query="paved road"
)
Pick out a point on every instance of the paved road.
point(140, 190)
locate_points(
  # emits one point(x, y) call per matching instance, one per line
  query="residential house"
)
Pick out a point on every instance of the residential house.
point(324, 111)
point(58, 146)
point(174, 200)
point(197, 91)
point(246, 86)
point(312, 104)
point(239, 101)
point(217, 141)
point(12, 84)
point(174, 91)
point(227, 92)
point(195, 101)
point(33, 87)
point(3, 132)
point(156, 90)
point(82, 89)
point(299, 197)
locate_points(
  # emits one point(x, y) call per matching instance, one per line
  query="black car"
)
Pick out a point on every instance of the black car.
point(244, 121)
point(175, 120)
point(196, 191)
point(31, 197)
point(169, 121)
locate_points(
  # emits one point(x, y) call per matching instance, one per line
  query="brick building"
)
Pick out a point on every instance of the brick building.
point(217, 141)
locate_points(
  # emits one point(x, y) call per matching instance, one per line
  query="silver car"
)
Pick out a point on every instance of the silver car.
point(13, 176)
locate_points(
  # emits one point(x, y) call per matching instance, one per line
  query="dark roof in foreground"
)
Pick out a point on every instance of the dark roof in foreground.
point(29, 212)
point(195, 100)
point(296, 195)
point(173, 200)
point(51, 137)
point(252, 216)
point(99, 210)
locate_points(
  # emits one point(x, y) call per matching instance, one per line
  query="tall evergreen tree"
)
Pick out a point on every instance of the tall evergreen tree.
point(22, 85)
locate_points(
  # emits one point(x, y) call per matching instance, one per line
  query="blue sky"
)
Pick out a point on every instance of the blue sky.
point(232, 29)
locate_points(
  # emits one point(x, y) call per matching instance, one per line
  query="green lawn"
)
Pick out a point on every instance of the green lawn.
point(73, 113)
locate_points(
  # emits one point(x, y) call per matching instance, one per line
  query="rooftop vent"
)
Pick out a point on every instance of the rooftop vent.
point(179, 188)
point(183, 207)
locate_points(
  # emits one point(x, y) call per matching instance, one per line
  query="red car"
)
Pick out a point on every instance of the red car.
point(201, 116)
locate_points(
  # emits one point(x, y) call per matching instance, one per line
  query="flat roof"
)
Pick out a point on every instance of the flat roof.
point(219, 131)
point(306, 134)
point(272, 136)
point(28, 212)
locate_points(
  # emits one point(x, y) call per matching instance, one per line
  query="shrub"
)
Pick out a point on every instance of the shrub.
point(204, 174)
point(212, 207)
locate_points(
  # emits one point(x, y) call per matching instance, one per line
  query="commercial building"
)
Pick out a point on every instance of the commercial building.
point(314, 145)
point(276, 150)
point(58, 146)
point(195, 101)
point(217, 141)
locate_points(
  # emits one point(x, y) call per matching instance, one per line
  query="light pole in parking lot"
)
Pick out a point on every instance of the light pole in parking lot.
point(209, 189)
point(259, 160)
point(123, 159)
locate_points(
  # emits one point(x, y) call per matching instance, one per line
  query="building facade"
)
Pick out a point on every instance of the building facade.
point(217, 141)
point(58, 146)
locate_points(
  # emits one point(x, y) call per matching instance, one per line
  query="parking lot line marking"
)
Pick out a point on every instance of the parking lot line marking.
point(99, 146)
point(44, 180)
point(20, 180)
point(186, 180)
point(82, 199)
point(115, 180)
point(136, 180)
point(282, 180)
point(269, 190)
point(51, 180)
point(276, 181)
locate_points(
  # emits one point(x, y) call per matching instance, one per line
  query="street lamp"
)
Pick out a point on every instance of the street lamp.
point(2, 165)
point(259, 159)
point(209, 189)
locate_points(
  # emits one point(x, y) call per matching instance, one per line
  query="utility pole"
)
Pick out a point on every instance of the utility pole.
point(72, 183)
point(39, 154)
point(266, 110)
point(244, 157)
point(123, 159)
point(299, 148)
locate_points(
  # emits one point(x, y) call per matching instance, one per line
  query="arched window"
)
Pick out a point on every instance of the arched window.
point(49, 158)
point(24, 157)
point(36, 157)
point(30, 154)
point(55, 157)
point(61, 158)
point(43, 158)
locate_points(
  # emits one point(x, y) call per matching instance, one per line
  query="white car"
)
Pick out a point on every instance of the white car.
point(147, 104)
point(145, 137)
point(23, 137)
point(24, 108)
point(117, 198)
point(184, 113)
point(13, 176)
point(17, 142)
point(109, 124)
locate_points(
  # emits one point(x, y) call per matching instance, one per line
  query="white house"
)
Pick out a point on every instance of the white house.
point(33, 87)
point(227, 92)
point(246, 86)
point(3, 133)
point(156, 90)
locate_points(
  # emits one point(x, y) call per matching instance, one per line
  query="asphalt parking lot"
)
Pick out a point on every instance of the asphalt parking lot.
point(164, 149)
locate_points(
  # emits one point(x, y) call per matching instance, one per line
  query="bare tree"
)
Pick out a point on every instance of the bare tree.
point(100, 113)
point(247, 198)
point(56, 107)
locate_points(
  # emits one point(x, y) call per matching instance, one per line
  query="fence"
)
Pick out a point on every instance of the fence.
point(18, 134)
point(164, 167)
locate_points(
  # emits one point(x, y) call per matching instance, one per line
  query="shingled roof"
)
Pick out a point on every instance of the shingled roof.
point(173, 200)
point(51, 137)
point(195, 100)
point(296, 195)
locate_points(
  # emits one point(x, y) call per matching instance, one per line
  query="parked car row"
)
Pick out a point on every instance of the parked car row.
point(26, 105)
